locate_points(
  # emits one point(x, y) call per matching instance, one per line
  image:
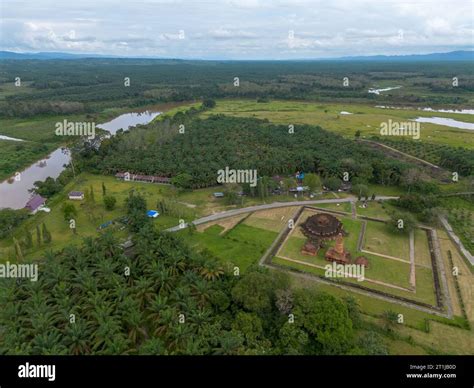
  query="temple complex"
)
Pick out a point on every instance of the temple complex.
point(321, 227)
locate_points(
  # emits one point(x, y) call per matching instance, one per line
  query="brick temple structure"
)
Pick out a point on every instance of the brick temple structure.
point(362, 260)
point(338, 253)
point(310, 249)
point(317, 229)
point(322, 226)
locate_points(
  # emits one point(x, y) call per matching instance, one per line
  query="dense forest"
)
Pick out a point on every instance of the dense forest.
point(164, 298)
point(218, 142)
point(67, 87)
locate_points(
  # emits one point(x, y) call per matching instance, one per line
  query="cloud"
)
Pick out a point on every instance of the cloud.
point(237, 29)
point(227, 34)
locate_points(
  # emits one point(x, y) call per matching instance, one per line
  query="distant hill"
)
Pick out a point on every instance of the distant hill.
point(47, 55)
point(450, 56)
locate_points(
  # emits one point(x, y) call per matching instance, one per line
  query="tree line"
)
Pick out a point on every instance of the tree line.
point(209, 145)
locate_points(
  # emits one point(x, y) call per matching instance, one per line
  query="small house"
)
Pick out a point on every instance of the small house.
point(35, 203)
point(76, 195)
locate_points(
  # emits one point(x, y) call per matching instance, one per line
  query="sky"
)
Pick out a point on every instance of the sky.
point(237, 29)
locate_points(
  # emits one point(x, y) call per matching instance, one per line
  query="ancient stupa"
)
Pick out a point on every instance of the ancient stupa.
point(321, 226)
point(338, 253)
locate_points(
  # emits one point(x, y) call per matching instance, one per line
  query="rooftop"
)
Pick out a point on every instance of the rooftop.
point(35, 202)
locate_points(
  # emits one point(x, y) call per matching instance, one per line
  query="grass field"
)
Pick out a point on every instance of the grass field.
point(365, 118)
point(88, 220)
point(241, 246)
point(374, 210)
point(272, 219)
point(422, 250)
point(379, 238)
point(384, 270)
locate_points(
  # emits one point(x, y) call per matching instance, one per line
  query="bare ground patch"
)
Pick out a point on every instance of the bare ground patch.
point(271, 219)
point(226, 223)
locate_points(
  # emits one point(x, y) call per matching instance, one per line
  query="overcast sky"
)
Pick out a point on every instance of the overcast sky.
point(237, 29)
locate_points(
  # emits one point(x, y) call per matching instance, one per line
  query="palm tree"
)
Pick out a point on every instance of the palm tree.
point(84, 281)
point(152, 346)
point(133, 319)
point(166, 319)
point(155, 309)
point(164, 281)
point(178, 335)
point(200, 290)
point(77, 338)
point(181, 296)
point(48, 342)
point(200, 316)
point(108, 327)
point(211, 271)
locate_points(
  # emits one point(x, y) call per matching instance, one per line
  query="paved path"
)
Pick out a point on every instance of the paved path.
point(360, 241)
point(353, 210)
point(274, 205)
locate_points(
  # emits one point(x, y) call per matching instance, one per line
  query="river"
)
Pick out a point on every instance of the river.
point(15, 192)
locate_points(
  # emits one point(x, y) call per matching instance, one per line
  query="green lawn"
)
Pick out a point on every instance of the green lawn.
point(380, 239)
point(374, 209)
point(388, 272)
point(88, 219)
point(422, 250)
point(242, 246)
point(385, 270)
point(425, 285)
